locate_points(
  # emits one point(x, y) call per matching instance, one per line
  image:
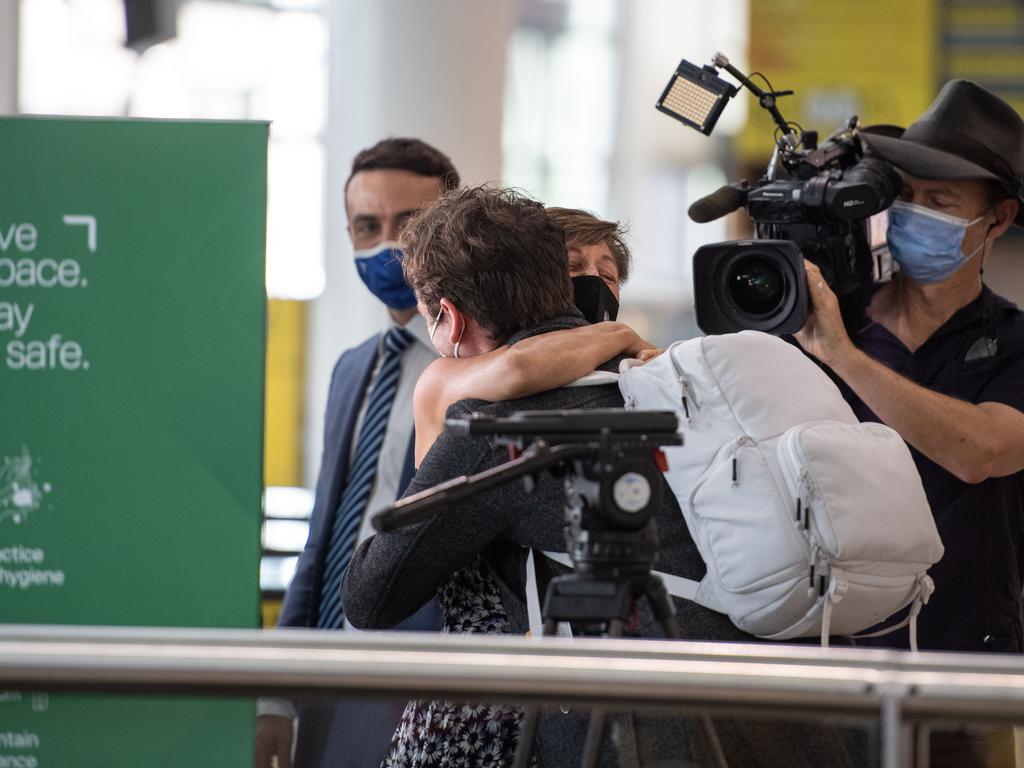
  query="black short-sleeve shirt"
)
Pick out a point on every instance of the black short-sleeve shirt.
point(976, 356)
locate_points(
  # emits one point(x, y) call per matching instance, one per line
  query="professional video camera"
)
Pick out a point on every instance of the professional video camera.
point(812, 202)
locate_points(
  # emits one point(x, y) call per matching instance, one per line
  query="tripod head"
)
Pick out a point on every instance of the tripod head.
point(609, 460)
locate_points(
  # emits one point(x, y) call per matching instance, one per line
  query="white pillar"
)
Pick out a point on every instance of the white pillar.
point(432, 70)
point(9, 57)
point(659, 162)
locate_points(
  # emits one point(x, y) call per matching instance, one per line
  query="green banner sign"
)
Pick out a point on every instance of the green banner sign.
point(132, 319)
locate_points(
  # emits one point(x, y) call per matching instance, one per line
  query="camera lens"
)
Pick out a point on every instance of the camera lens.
point(756, 284)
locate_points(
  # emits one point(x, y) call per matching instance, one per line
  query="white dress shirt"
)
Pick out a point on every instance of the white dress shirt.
point(393, 451)
point(395, 447)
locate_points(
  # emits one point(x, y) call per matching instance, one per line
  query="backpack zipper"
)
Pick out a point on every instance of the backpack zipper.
point(818, 558)
point(738, 443)
point(688, 397)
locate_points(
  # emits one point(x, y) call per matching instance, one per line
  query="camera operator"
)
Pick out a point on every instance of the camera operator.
point(940, 358)
point(489, 268)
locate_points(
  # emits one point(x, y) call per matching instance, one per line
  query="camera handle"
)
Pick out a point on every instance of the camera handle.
point(767, 99)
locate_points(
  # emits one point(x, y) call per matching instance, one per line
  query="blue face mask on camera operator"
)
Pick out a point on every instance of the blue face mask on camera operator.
point(927, 244)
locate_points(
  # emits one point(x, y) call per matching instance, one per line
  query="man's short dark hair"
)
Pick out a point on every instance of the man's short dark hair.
point(403, 154)
point(584, 228)
point(494, 253)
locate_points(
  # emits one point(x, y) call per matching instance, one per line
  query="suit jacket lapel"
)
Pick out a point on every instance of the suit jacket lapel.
point(341, 425)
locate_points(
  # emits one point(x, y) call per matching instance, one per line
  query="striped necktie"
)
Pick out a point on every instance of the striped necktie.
point(361, 475)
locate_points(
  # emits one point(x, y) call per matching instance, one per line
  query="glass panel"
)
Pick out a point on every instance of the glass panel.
point(276, 573)
point(284, 501)
point(62, 729)
point(285, 535)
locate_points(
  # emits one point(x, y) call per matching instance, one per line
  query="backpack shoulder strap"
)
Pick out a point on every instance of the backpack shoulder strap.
point(594, 379)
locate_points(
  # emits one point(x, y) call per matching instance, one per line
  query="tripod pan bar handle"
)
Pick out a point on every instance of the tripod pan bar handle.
point(423, 505)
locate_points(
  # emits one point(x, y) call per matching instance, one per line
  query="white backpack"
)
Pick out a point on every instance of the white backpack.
point(809, 522)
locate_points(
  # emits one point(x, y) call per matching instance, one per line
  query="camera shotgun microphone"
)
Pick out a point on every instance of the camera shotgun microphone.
point(722, 201)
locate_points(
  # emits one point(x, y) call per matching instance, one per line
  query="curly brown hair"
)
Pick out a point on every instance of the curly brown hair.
point(494, 253)
point(584, 228)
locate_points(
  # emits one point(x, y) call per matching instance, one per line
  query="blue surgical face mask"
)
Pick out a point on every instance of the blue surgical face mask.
point(927, 244)
point(380, 268)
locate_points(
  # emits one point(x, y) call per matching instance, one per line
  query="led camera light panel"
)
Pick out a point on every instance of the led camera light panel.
point(689, 101)
point(695, 96)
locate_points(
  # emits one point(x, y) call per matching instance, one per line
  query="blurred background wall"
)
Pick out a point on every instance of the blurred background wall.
point(552, 96)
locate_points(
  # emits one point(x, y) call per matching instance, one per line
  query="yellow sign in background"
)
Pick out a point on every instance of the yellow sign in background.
point(873, 58)
point(880, 60)
point(983, 41)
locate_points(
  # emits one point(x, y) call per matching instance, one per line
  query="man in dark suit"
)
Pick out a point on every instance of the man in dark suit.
point(367, 453)
point(489, 268)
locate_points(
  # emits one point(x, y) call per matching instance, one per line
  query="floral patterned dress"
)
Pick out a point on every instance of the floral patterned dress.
point(447, 734)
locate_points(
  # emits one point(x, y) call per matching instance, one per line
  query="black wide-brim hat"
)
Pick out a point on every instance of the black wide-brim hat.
point(966, 133)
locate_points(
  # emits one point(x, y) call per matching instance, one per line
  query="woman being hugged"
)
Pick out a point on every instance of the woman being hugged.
point(599, 262)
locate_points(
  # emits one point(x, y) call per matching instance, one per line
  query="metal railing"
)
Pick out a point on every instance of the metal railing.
point(893, 687)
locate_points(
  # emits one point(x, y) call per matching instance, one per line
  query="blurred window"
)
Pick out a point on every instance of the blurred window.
point(561, 93)
point(262, 60)
point(286, 513)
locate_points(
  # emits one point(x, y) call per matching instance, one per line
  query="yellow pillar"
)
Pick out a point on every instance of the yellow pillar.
point(286, 335)
point(283, 405)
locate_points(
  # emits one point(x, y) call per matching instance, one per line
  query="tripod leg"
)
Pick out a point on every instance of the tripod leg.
point(592, 746)
point(666, 614)
point(531, 713)
point(664, 611)
point(527, 733)
point(714, 745)
point(598, 715)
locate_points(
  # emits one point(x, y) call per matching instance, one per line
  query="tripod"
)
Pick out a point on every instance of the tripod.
point(611, 466)
point(606, 600)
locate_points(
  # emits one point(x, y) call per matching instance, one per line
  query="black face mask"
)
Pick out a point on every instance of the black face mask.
point(594, 299)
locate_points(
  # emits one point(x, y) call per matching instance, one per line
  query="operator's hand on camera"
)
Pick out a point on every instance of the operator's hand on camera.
point(824, 334)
